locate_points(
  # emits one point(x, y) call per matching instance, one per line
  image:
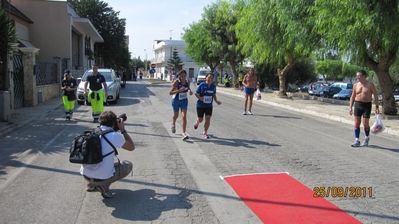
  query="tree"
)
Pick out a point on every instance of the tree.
point(113, 52)
point(175, 62)
point(198, 47)
point(368, 32)
point(278, 33)
point(7, 38)
point(221, 19)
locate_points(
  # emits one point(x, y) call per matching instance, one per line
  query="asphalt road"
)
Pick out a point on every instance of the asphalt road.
point(179, 182)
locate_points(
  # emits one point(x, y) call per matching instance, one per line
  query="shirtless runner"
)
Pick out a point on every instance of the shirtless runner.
point(249, 83)
point(361, 97)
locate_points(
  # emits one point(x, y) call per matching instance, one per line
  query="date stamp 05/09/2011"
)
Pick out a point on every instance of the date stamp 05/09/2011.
point(343, 192)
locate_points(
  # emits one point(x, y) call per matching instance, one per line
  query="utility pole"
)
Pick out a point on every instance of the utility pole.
point(4, 85)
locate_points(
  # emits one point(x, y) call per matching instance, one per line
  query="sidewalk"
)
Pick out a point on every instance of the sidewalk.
point(335, 110)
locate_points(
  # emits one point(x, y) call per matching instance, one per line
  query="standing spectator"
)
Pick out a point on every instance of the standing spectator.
point(179, 90)
point(96, 95)
point(249, 83)
point(69, 86)
point(240, 77)
point(362, 97)
point(206, 92)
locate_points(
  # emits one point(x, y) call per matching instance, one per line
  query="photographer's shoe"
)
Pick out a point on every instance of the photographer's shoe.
point(90, 187)
point(104, 189)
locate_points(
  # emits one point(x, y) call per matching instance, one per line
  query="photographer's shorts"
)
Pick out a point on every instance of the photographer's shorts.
point(122, 169)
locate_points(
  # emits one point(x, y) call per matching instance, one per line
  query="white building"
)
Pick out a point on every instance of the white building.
point(163, 51)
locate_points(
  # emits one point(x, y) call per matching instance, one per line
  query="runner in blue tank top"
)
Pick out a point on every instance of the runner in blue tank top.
point(206, 93)
point(179, 91)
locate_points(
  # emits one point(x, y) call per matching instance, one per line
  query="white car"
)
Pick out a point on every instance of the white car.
point(201, 75)
point(112, 81)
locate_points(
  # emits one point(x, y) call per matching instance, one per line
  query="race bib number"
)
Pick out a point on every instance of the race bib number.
point(182, 96)
point(208, 99)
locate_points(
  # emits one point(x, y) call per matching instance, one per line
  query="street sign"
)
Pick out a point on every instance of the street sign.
point(153, 66)
point(135, 66)
point(152, 71)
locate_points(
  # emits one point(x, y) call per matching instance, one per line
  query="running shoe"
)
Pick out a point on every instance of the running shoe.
point(244, 113)
point(173, 128)
point(366, 141)
point(196, 125)
point(249, 112)
point(205, 135)
point(356, 143)
point(184, 137)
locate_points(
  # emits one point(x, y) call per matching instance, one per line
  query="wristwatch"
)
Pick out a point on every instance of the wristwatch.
point(123, 132)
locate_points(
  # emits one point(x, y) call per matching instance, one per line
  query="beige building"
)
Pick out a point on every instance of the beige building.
point(51, 37)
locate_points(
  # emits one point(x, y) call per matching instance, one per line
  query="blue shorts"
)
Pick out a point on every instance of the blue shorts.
point(179, 104)
point(249, 91)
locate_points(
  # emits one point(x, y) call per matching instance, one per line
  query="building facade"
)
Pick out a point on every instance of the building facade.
point(163, 51)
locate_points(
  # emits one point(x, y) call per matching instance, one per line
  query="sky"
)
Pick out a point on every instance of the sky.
point(149, 20)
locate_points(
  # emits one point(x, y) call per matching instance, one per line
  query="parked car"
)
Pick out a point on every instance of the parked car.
point(329, 91)
point(343, 85)
point(304, 88)
point(201, 75)
point(113, 83)
point(344, 94)
point(316, 92)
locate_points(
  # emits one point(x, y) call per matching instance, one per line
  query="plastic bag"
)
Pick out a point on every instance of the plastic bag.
point(258, 95)
point(378, 126)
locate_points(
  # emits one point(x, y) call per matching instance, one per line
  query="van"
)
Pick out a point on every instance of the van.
point(342, 85)
point(202, 74)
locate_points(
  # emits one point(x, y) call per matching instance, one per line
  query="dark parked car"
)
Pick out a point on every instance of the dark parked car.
point(304, 88)
point(318, 90)
point(329, 91)
point(344, 94)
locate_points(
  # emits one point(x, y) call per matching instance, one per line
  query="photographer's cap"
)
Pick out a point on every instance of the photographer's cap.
point(67, 71)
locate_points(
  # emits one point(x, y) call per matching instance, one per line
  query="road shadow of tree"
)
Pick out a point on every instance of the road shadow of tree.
point(146, 204)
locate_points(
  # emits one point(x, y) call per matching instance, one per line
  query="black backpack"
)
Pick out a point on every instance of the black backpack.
point(86, 148)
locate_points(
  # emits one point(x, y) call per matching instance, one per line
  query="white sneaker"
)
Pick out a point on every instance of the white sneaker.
point(244, 113)
point(366, 142)
point(249, 112)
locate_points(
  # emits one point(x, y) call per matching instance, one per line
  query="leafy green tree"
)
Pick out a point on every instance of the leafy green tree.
point(113, 52)
point(7, 38)
point(221, 19)
point(198, 47)
point(278, 33)
point(365, 30)
point(175, 62)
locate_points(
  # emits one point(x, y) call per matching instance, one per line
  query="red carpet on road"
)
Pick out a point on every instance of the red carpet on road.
point(279, 198)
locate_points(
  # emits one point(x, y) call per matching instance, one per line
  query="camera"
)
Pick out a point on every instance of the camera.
point(119, 119)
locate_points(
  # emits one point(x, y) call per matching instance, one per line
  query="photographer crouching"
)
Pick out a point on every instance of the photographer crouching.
point(100, 176)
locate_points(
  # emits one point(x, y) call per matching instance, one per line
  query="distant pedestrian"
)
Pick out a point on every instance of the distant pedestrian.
point(141, 76)
point(361, 97)
point(69, 86)
point(180, 88)
point(206, 93)
point(96, 95)
point(249, 83)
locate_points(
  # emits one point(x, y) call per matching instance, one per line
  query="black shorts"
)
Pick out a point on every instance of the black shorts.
point(362, 108)
point(207, 111)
